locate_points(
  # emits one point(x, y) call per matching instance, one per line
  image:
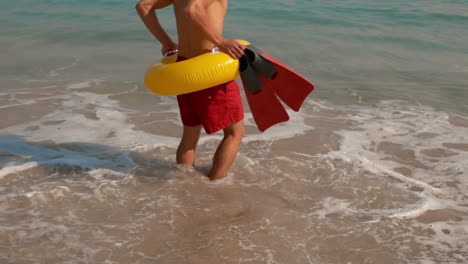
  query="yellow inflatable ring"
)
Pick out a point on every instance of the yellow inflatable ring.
point(168, 77)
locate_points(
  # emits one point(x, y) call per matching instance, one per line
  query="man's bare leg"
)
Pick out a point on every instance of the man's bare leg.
point(227, 150)
point(188, 145)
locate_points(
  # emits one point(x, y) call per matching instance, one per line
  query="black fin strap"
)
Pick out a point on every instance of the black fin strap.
point(253, 63)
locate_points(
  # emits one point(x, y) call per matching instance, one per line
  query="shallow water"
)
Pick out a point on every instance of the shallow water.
point(373, 169)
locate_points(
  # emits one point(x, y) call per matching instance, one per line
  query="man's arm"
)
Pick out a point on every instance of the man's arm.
point(146, 10)
point(195, 10)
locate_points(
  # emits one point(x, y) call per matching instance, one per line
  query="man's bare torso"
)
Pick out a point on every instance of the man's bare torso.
point(192, 41)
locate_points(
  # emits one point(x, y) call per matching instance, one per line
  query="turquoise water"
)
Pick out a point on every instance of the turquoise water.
point(357, 52)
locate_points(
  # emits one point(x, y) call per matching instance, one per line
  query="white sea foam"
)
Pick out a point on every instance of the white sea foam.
point(332, 205)
point(111, 128)
point(294, 127)
point(56, 72)
point(24, 102)
point(403, 127)
point(16, 168)
point(416, 210)
point(84, 84)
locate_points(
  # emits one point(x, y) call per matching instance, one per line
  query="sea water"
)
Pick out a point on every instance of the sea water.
point(373, 169)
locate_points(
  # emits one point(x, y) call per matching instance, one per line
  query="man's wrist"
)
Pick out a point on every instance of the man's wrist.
point(219, 42)
point(167, 42)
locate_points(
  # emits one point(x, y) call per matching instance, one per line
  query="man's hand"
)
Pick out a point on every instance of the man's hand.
point(232, 48)
point(169, 50)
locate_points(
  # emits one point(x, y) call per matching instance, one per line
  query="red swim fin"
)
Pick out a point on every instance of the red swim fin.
point(289, 86)
point(266, 109)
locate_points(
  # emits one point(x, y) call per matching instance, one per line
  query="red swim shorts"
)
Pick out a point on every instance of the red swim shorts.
point(215, 108)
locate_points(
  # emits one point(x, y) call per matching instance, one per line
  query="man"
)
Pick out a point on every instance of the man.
point(200, 27)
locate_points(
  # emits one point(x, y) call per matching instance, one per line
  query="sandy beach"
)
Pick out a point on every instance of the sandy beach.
point(372, 169)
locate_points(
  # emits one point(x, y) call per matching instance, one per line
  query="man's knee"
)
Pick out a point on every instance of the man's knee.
point(190, 137)
point(187, 145)
point(235, 130)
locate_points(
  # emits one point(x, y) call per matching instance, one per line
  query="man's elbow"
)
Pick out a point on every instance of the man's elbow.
point(191, 11)
point(143, 7)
